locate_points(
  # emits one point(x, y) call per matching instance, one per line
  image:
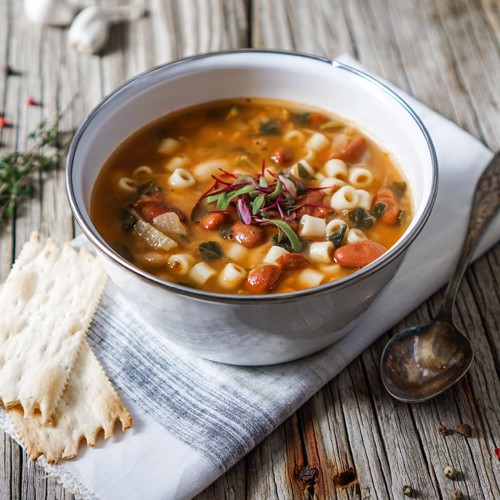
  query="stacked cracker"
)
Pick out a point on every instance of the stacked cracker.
point(53, 387)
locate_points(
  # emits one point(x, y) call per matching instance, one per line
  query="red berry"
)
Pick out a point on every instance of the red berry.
point(31, 102)
point(497, 453)
point(3, 122)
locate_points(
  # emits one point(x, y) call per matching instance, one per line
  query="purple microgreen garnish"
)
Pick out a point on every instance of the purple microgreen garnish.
point(220, 180)
point(228, 189)
point(271, 207)
point(289, 185)
point(243, 211)
point(280, 210)
point(255, 196)
point(228, 174)
point(196, 209)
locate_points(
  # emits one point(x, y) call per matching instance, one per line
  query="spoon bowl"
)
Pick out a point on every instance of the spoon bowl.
point(422, 362)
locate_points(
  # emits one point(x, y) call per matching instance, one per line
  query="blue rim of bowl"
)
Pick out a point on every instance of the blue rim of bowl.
point(393, 253)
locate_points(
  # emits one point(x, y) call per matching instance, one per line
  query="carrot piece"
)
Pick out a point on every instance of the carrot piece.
point(316, 119)
point(388, 197)
point(150, 210)
point(353, 151)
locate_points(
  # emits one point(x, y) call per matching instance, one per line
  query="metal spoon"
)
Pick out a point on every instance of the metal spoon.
point(421, 362)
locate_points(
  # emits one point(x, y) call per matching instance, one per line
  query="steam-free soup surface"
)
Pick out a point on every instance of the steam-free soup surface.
point(250, 196)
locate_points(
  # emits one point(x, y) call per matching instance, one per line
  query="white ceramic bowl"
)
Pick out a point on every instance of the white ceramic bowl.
point(253, 330)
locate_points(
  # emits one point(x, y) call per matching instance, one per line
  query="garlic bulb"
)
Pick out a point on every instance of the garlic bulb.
point(90, 29)
point(49, 12)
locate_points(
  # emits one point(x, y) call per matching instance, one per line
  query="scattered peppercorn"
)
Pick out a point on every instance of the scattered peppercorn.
point(443, 430)
point(464, 429)
point(3, 122)
point(8, 71)
point(450, 471)
point(407, 490)
point(457, 494)
point(497, 453)
point(31, 102)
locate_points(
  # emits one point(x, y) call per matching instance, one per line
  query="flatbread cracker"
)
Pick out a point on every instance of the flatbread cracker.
point(89, 404)
point(46, 306)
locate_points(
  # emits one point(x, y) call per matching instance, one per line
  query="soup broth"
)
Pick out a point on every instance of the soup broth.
point(250, 196)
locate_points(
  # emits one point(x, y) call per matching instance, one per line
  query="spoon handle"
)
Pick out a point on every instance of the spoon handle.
point(485, 206)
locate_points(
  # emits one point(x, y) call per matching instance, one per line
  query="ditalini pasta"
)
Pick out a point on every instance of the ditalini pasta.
point(127, 184)
point(181, 263)
point(249, 196)
point(318, 142)
point(336, 169)
point(168, 146)
point(294, 138)
point(344, 198)
point(232, 275)
point(201, 272)
point(360, 177)
point(181, 179)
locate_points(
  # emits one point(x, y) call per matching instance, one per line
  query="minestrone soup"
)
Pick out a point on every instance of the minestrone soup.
point(250, 196)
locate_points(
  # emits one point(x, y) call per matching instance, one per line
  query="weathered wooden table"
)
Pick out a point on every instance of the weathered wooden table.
point(351, 440)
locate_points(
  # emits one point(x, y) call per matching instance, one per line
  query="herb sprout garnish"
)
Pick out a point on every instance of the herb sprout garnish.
point(255, 197)
point(295, 242)
point(281, 240)
point(261, 200)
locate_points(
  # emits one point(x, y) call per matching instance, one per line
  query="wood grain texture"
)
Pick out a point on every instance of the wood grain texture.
point(351, 440)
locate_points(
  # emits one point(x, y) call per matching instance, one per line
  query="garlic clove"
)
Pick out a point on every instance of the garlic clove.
point(49, 12)
point(89, 31)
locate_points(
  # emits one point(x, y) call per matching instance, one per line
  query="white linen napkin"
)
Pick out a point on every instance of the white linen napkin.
point(193, 419)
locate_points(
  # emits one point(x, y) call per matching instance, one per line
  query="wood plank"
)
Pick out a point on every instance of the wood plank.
point(6, 137)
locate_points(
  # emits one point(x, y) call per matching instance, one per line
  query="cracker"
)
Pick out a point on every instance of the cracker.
point(46, 306)
point(88, 405)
